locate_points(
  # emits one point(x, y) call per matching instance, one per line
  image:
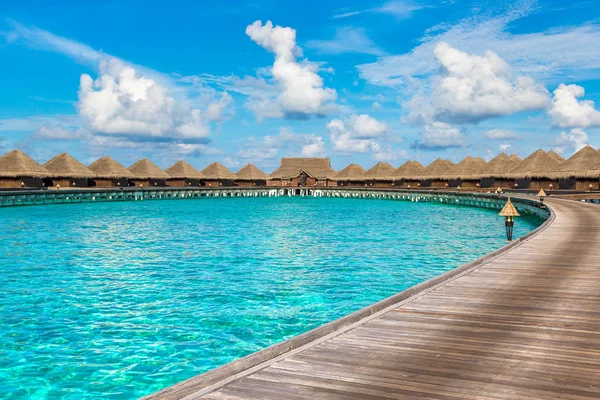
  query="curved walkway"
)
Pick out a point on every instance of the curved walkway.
point(524, 325)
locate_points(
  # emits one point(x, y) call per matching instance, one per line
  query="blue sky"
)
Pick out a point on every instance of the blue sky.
point(253, 81)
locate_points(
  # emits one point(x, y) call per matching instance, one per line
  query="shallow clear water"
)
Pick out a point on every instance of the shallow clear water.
point(117, 300)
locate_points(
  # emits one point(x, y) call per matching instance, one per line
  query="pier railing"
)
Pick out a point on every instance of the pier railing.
point(90, 195)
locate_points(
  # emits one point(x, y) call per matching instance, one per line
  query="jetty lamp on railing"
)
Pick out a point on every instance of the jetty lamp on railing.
point(509, 212)
point(541, 194)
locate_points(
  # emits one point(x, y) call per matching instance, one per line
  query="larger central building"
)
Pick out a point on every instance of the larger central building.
point(303, 172)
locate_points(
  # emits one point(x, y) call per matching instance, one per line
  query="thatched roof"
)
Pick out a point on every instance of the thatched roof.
point(539, 164)
point(251, 172)
point(509, 210)
point(515, 157)
point(468, 168)
point(183, 170)
point(16, 164)
point(65, 166)
point(107, 168)
point(583, 164)
point(146, 169)
point(218, 171)
point(555, 155)
point(319, 168)
point(500, 165)
point(437, 169)
point(351, 172)
point(381, 171)
point(410, 169)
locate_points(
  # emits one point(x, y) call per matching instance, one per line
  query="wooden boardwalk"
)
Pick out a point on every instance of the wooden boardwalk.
point(525, 325)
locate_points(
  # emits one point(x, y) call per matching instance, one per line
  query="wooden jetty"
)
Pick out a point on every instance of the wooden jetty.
point(523, 323)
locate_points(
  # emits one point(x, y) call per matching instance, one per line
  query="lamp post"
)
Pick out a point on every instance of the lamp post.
point(541, 194)
point(509, 212)
point(591, 187)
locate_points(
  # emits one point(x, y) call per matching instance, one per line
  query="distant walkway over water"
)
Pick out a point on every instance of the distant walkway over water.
point(524, 324)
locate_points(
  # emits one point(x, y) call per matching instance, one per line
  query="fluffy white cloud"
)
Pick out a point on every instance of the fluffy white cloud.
point(287, 142)
point(472, 88)
point(575, 140)
point(216, 110)
point(301, 91)
point(573, 48)
point(120, 102)
point(439, 135)
point(347, 40)
point(568, 112)
point(357, 134)
point(500, 134)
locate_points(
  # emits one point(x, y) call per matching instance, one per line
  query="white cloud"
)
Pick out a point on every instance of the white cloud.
point(347, 40)
point(568, 112)
point(216, 111)
point(397, 8)
point(387, 154)
point(60, 132)
point(548, 56)
point(503, 147)
point(356, 134)
point(575, 140)
point(500, 134)
point(376, 106)
point(301, 90)
point(286, 143)
point(439, 135)
point(472, 88)
point(121, 102)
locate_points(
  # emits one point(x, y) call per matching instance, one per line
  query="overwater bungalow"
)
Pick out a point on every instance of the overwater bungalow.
point(580, 171)
point(495, 173)
point(466, 173)
point(303, 172)
point(109, 173)
point(408, 175)
point(182, 174)
point(431, 175)
point(251, 175)
point(380, 175)
point(351, 176)
point(147, 174)
point(536, 171)
point(217, 174)
point(18, 170)
point(67, 172)
point(556, 156)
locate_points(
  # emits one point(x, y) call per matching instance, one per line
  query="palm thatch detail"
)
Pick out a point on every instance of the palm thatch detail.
point(107, 168)
point(183, 170)
point(16, 164)
point(65, 166)
point(217, 171)
point(353, 172)
point(583, 164)
point(251, 172)
point(146, 169)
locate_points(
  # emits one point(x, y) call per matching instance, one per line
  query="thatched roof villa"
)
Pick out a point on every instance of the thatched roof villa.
point(495, 173)
point(148, 174)
point(217, 174)
point(556, 156)
point(352, 175)
point(66, 171)
point(466, 173)
point(110, 173)
point(251, 175)
point(18, 170)
point(303, 172)
point(408, 174)
point(431, 175)
point(580, 171)
point(182, 174)
point(536, 171)
point(380, 175)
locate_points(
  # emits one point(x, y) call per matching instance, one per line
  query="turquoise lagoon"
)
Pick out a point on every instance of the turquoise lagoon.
point(118, 300)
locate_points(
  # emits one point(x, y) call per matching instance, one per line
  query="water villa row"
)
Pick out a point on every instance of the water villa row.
point(541, 169)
